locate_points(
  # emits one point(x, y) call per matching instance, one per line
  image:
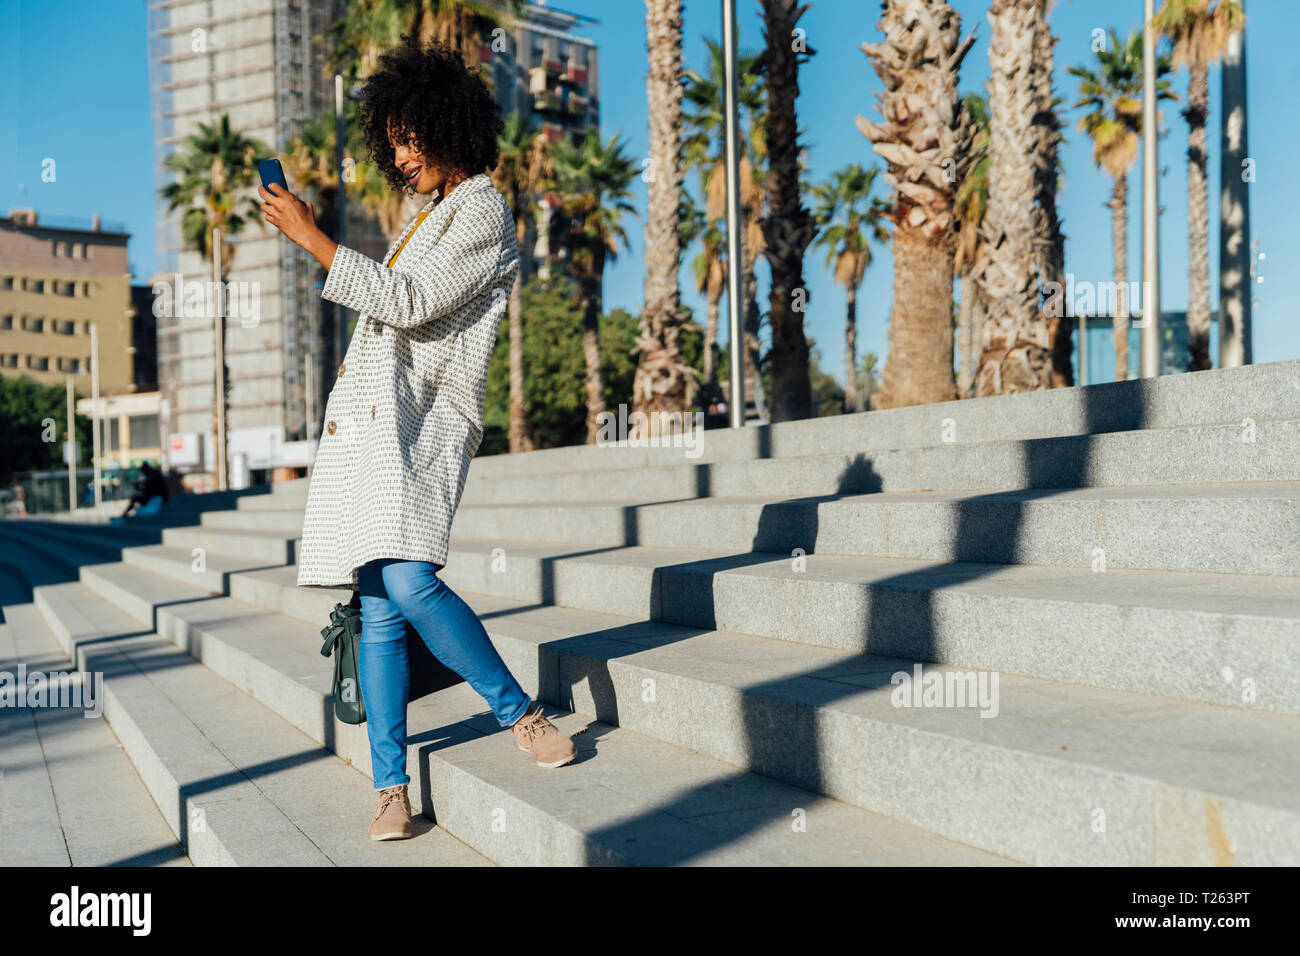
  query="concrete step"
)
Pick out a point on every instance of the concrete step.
point(1200, 454)
point(286, 519)
point(267, 546)
point(71, 549)
point(688, 809)
point(1033, 784)
point(48, 815)
point(1223, 397)
point(1239, 528)
point(1246, 528)
point(1216, 638)
point(235, 783)
point(120, 535)
point(1224, 639)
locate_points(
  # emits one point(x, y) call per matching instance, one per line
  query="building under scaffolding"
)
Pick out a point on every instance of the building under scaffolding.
point(261, 63)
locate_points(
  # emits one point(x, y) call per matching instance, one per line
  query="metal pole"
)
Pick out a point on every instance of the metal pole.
point(731, 110)
point(71, 444)
point(94, 411)
point(340, 139)
point(1083, 349)
point(1235, 255)
point(219, 322)
point(1150, 347)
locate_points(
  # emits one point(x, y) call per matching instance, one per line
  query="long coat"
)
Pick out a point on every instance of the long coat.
point(405, 415)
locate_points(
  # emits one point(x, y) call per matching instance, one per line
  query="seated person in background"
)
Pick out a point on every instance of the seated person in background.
point(151, 484)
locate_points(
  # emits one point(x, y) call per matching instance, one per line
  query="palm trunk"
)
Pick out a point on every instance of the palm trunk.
point(851, 394)
point(1119, 240)
point(1050, 239)
point(595, 383)
point(749, 291)
point(979, 314)
point(711, 337)
point(663, 382)
point(966, 335)
point(919, 368)
point(1198, 221)
point(1017, 353)
point(789, 227)
point(518, 429)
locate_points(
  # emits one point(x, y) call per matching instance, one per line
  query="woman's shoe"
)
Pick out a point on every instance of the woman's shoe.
point(541, 738)
point(392, 820)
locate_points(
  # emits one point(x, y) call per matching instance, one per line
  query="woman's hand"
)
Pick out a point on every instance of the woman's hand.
point(297, 220)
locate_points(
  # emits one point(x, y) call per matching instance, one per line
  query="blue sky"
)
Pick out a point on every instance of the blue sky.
point(75, 89)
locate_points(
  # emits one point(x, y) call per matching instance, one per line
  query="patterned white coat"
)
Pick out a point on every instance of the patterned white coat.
point(405, 415)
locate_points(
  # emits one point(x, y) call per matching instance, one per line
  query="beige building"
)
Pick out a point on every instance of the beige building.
point(56, 278)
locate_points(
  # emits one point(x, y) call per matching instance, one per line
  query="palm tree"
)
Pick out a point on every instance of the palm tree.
point(710, 270)
point(925, 139)
point(705, 152)
point(1199, 30)
point(972, 254)
point(1017, 347)
point(1049, 240)
point(370, 27)
point(663, 382)
point(522, 168)
point(788, 227)
point(592, 179)
point(1112, 95)
point(217, 170)
point(870, 361)
point(851, 218)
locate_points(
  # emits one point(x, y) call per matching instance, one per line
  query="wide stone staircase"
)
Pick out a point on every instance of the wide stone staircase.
point(735, 627)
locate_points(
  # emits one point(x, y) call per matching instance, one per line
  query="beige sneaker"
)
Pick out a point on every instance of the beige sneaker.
point(392, 820)
point(541, 738)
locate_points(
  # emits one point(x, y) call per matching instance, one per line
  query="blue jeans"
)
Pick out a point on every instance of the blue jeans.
point(392, 593)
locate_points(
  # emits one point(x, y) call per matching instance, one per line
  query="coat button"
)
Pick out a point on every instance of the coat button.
point(342, 369)
point(331, 427)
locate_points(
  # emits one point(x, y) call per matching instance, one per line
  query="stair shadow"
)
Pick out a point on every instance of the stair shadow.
point(155, 857)
point(788, 747)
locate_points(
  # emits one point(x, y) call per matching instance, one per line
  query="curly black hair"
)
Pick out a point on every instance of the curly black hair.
point(438, 105)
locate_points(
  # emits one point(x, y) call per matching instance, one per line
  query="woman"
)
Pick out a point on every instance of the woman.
point(405, 415)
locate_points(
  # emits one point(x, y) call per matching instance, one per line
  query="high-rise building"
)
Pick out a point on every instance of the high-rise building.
point(259, 63)
point(542, 68)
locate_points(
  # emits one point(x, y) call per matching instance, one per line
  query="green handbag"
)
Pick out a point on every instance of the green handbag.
point(343, 640)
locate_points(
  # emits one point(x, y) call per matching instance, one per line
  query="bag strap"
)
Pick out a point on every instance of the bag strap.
point(331, 635)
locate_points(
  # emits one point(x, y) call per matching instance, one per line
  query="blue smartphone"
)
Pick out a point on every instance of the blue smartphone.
point(271, 172)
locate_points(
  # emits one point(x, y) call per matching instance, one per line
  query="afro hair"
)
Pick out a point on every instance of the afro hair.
point(430, 100)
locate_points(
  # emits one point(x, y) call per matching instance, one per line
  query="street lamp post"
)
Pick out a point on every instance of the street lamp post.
point(219, 330)
point(731, 109)
point(340, 140)
point(1236, 263)
point(69, 450)
point(1150, 348)
point(94, 411)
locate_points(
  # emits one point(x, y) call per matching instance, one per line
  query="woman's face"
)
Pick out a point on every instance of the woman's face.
point(424, 176)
